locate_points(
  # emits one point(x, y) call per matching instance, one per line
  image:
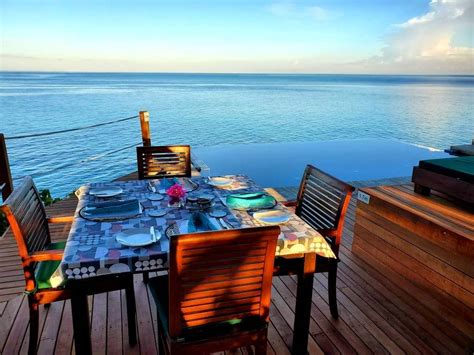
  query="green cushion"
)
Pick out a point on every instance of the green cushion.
point(253, 200)
point(461, 167)
point(46, 268)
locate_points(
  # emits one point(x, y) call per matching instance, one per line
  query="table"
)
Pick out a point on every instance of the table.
point(91, 249)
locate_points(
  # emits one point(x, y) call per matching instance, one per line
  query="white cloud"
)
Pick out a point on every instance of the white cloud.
point(425, 44)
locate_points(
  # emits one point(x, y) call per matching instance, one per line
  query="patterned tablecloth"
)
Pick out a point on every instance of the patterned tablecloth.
point(91, 248)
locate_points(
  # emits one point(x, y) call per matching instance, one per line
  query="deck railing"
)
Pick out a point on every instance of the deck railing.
point(6, 181)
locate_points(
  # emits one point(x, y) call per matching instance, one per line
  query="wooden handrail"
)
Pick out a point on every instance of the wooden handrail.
point(5, 174)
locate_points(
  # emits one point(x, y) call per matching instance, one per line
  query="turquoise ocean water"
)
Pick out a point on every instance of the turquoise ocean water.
point(215, 109)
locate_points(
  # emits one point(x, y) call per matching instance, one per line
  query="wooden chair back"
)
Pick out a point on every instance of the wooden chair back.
point(27, 218)
point(164, 161)
point(322, 203)
point(220, 276)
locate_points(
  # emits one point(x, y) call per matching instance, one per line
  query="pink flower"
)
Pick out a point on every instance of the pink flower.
point(176, 191)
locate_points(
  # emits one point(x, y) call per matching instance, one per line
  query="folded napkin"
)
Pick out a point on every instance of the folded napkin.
point(253, 200)
point(112, 208)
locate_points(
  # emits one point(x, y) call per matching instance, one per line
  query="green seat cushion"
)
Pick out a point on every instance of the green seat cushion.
point(461, 167)
point(45, 269)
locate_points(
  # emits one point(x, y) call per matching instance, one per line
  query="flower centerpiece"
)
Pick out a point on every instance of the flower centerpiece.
point(176, 194)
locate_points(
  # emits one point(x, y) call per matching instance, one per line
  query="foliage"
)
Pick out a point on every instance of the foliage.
point(47, 198)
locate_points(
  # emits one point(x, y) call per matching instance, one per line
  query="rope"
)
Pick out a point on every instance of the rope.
point(69, 130)
point(67, 165)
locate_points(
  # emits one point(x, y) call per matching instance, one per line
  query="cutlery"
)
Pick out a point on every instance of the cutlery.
point(225, 224)
point(221, 223)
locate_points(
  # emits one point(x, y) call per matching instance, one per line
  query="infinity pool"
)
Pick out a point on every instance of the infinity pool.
point(282, 164)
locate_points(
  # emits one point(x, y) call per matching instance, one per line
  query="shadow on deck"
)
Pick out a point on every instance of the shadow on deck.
point(379, 311)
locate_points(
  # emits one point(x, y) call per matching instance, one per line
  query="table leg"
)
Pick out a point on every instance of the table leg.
point(80, 321)
point(303, 304)
point(131, 311)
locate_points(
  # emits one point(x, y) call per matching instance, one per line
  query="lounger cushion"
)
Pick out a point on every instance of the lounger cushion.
point(461, 168)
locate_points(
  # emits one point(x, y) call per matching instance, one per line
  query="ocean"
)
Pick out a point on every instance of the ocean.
point(207, 110)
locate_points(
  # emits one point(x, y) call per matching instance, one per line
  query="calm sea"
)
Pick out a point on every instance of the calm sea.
point(215, 109)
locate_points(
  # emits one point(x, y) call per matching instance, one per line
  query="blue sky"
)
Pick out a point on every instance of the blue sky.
point(378, 36)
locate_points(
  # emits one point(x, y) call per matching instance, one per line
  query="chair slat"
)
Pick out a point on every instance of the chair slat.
point(164, 161)
point(234, 291)
point(226, 312)
point(206, 285)
point(219, 299)
point(220, 304)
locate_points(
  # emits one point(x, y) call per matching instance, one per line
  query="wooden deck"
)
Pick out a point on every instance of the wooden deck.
point(379, 311)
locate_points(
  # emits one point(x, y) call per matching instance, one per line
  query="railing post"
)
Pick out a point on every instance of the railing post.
point(6, 183)
point(145, 127)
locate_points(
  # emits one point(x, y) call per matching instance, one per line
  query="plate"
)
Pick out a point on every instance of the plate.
point(105, 191)
point(157, 213)
point(219, 181)
point(155, 197)
point(136, 237)
point(218, 213)
point(272, 217)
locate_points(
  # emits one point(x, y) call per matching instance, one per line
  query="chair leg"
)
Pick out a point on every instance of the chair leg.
point(131, 312)
point(261, 347)
point(161, 340)
point(34, 326)
point(332, 277)
point(146, 277)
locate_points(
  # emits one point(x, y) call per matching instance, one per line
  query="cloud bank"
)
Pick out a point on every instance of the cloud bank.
point(426, 44)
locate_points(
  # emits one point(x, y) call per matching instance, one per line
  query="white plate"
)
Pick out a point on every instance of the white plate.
point(157, 213)
point(155, 197)
point(105, 191)
point(136, 237)
point(272, 217)
point(219, 181)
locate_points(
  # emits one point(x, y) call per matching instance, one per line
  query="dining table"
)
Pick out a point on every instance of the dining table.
point(92, 251)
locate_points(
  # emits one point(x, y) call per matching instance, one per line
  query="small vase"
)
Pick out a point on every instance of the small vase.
point(175, 202)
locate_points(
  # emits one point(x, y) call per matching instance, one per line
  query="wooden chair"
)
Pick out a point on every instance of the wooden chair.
point(40, 258)
point(217, 293)
point(322, 203)
point(164, 161)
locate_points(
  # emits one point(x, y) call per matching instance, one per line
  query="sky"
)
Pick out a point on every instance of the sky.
point(231, 36)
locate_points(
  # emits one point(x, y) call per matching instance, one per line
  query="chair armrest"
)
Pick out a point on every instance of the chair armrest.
point(290, 203)
point(63, 219)
point(46, 255)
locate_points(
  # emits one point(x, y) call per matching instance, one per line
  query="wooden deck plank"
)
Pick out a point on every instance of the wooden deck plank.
point(99, 324)
point(114, 323)
point(65, 332)
point(51, 327)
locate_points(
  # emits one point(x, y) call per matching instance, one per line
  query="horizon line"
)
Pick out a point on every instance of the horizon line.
point(223, 73)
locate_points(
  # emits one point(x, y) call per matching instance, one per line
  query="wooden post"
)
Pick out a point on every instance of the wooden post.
point(145, 127)
point(6, 183)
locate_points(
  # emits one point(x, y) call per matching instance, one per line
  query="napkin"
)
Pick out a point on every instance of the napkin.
point(247, 201)
point(199, 222)
point(112, 208)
